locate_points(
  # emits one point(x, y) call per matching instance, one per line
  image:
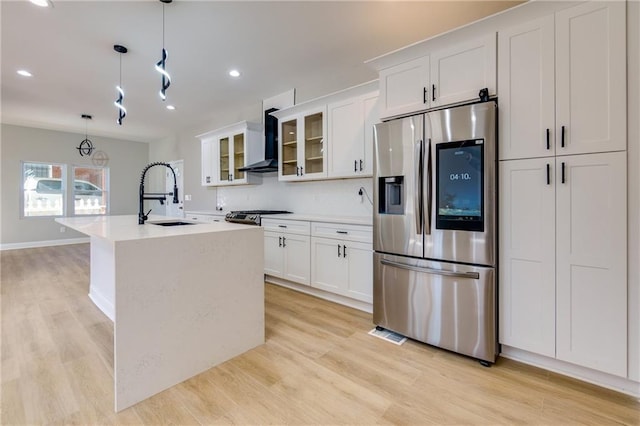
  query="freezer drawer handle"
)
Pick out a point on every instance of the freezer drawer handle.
point(472, 275)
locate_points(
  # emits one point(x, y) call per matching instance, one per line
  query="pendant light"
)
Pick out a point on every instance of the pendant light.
point(122, 112)
point(161, 65)
point(86, 146)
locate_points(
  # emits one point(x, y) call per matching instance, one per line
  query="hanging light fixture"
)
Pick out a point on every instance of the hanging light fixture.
point(161, 65)
point(122, 112)
point(86, 146)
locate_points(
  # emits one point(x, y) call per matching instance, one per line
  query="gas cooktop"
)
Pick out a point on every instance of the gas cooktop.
point(250, 217)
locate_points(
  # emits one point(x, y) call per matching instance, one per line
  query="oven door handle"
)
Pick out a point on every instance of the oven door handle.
point(471, 275)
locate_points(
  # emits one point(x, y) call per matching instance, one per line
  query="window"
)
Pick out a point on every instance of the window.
point(43, 189)
point(90, 195)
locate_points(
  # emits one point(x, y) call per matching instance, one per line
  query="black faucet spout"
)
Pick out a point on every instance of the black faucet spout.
point(142, 217)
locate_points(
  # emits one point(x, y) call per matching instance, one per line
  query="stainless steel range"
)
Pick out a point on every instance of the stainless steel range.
point(250, 217)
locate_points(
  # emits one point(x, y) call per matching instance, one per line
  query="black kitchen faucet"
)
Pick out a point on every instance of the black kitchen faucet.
point(160, 196)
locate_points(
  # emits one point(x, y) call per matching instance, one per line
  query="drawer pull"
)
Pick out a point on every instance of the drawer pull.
point(282, 226)
point(342, 232)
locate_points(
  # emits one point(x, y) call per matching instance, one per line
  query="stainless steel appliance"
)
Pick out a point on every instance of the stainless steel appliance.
point(250, 217)
point(435, 228)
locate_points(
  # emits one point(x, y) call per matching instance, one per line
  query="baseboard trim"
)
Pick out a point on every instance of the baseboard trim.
point(352, 303)
point(605, 380)
point(49, 243)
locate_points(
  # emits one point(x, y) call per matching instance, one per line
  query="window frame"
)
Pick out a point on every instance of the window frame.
point(105, 189)
point(63, 189)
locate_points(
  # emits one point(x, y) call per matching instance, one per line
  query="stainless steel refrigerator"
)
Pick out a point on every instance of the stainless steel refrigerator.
point(435, 228)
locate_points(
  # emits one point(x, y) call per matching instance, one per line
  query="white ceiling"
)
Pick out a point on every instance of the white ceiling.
point(316, 47)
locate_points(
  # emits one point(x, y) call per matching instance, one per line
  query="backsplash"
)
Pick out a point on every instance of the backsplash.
point(328, 197)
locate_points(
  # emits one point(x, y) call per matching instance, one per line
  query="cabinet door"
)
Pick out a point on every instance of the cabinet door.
point(526, 74)
point(329, 270)
point(289, 168)
point(591, 261)
point(312, 147)
point(224, 159)
point(371, 118)
point(359, 257)
point(238, 152)
point(527, 281)
point(458, 73)
point(591, 78)
point(206, 146)
point(297, 258)
point(347, 136)
point(273, 254)
point(403, 88)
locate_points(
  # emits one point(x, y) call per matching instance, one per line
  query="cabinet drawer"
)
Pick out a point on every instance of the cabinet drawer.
point(299, 227)
point(362, 233)
point(204, 218)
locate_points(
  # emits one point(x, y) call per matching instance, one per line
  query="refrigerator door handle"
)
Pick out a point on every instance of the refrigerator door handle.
point(418, 152)
point(427, 213)
point(471, 275)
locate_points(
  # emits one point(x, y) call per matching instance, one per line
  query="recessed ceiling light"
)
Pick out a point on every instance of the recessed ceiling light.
point(41, 3)
point(25, 73)
point(234, 73)
point(171, 107)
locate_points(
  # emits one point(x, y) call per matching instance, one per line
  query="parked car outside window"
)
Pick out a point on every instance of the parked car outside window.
point(43, 193)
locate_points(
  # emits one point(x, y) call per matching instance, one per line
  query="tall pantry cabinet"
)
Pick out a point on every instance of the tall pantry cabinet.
point(563, 248)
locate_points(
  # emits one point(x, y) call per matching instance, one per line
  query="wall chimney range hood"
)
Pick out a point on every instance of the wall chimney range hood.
point(270, 162)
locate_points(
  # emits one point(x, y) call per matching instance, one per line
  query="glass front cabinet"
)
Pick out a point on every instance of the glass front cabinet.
point(303, 146)
point(230, 149)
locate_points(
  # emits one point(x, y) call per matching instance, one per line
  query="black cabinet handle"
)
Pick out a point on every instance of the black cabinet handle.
point(548, 139)
point(424, 95)
point(563, 179)
point(297, 171)
point(562, 137)
point(548, 174)
point(301, 171)
point(341, 232)
point(339, 253)
point(282, 226)
point(344, 251)
point(279, 241)
point(355, 165)
point(361, 165)
point(284, 241)
point(433, 92)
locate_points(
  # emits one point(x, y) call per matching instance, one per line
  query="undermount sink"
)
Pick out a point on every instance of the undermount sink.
point(171, 223)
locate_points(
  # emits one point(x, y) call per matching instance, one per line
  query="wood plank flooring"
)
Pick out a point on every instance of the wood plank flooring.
point(318, 366)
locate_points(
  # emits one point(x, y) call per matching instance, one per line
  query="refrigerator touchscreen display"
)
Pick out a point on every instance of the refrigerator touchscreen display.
point(459, 183)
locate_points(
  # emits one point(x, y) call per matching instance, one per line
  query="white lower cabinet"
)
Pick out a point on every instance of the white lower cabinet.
point(342, 260)
point(335, 258)
point(287, 250)
point(563, 251)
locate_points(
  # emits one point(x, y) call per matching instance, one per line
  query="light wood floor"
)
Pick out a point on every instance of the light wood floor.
point(318, 366)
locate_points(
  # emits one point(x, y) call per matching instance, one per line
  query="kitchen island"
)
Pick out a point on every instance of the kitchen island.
point(182, 298)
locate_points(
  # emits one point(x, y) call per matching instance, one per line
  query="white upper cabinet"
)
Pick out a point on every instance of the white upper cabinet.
point(591, 78)
point(302, 139)
point(226, 150)
point(206, 147)
point(526, 80)
point(351, 136)
point(403, 88)
point(573, 102)
point(458, 73)
point(591, 261)
point(443, 77)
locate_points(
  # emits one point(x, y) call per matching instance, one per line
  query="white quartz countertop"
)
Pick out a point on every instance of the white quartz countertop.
point(124, 228)
point(347, 220)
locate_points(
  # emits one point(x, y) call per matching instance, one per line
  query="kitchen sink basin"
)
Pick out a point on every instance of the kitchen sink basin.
point(171, 223)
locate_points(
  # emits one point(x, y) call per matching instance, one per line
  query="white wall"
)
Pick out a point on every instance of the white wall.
point(126, 161)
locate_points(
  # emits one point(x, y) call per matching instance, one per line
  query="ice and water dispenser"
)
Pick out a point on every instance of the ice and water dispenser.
point(391, 197)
